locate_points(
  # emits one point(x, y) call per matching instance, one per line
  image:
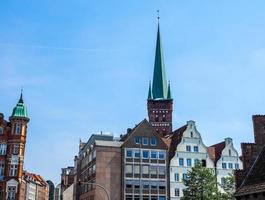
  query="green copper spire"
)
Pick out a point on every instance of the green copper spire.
point(159, 88)
point(168, 91)
point(20, 110)
point(150, 95)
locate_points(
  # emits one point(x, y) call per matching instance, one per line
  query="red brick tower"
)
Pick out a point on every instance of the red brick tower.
point(159, 102)
point(12, 148)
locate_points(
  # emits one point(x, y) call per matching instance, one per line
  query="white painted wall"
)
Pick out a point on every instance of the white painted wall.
point(191, 137)
point(229, 157)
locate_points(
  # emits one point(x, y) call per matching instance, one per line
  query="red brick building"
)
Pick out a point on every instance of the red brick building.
point(12, 147)
point(67, 177)
point(252, 158)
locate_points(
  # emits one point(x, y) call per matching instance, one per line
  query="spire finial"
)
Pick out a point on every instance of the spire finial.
point(21, 96)
point(158, 16)
point(150, 95)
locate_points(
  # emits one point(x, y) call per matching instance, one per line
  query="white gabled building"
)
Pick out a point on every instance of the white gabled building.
point(226, 159)
point(185, 149)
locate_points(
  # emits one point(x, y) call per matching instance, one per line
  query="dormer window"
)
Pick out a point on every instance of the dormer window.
point(137, 140)
point(145, 141)
point(153, 141)
point(1, 130)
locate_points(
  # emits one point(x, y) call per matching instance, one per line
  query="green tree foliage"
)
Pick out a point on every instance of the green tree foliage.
point(201, 184)
point(229, 187)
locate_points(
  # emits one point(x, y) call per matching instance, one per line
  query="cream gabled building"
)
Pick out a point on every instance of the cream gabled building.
point(226, 159)
point(185, 150)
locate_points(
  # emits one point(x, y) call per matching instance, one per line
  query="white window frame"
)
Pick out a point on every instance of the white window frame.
point(13, 170)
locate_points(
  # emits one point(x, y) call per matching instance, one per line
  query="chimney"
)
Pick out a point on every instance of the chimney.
point(259, 129)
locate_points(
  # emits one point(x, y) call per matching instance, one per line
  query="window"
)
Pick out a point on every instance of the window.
point(162, 170)
point(184, 176)
point(17, 129)
point(1, 130)
point(2, 149)
point(162, 198)
point(136, 169)
point(137, 140)
point(145, 141)
point(203, 163)
point(153, 155)
point(11, 193)
point(145, 154)
point(224, 165)
point(153, 187)
point(188, 148)
point(153, 141)
point(176, 192)
point(222, 181)
point(128, 169)
point(94, 154)
point(13, 170)
point(129, 153)
point(145, 169)
point(196, 149)
point(236, 165)
point(128, 197)
point(146, 187)
point(94, 168)
point(176, 177)
point(230, 165)
point(191, 134)
point(2, 169)
point(181, 161)
point(162, 155)
point(137, 154)
point(16, 149)
point(128, 186)
point(196, 161)
point(188, 162)
point(153, 170)
point(229, 152)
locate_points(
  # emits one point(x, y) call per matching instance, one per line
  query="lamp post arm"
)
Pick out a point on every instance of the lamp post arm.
point(96, 184)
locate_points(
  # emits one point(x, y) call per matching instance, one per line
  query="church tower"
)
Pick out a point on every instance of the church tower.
point(159, 102)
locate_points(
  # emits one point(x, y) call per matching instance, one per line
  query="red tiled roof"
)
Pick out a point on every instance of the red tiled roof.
point(254, 182)
point(173, 140)
point(35, 177)
point(215, 151)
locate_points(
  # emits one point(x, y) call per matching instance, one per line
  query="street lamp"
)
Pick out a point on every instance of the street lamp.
point(96, 184)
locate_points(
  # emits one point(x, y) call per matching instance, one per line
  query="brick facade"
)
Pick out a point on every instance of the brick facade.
point(98, 162)
point(12, 148)
point(160, 115)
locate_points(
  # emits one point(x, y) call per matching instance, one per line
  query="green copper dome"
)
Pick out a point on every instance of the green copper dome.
point(20, 110)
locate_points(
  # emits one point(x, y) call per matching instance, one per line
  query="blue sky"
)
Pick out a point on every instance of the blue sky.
point(85, 68)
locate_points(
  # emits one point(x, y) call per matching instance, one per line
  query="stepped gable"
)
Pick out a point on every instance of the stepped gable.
point(173, 140)
point(254, 182)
